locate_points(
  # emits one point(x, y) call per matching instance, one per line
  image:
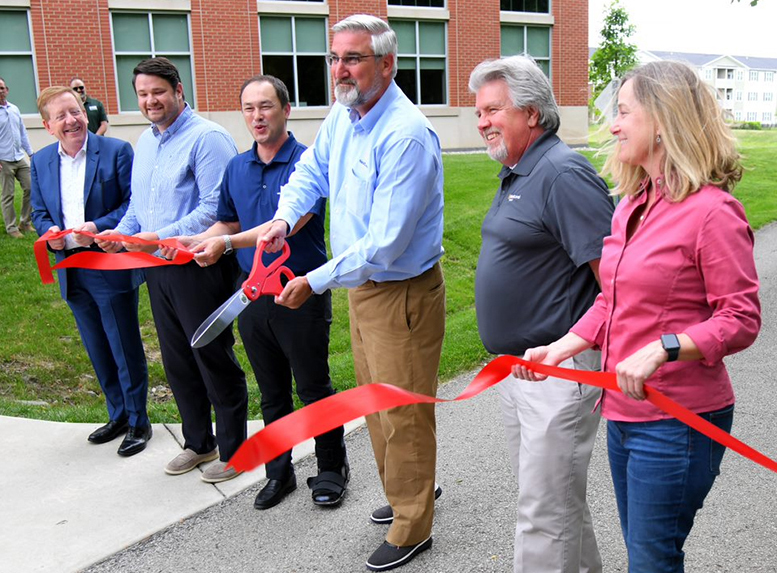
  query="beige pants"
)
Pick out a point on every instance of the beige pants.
point(11, 171)
point(397, 330)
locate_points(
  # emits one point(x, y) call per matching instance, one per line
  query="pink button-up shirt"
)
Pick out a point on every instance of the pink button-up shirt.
point(688, 268)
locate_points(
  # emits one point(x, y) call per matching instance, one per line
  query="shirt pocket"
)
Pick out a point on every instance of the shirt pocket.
point(359, 188)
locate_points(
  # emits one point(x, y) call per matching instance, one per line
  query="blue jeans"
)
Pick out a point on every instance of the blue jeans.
point(662, 471)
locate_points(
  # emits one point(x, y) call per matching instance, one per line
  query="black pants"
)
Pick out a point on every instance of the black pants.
point(280, 341)
point(182, 297)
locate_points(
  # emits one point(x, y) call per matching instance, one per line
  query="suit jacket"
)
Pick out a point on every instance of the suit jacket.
point(106, 197)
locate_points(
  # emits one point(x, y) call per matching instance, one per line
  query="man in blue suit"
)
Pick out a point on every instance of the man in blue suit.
point(83, 183)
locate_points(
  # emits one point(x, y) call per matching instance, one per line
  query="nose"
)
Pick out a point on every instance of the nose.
point(483, 122)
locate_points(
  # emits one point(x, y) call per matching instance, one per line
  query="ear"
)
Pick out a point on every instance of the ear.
point(287, 111)
point(47, 125)
point(532, 116)
point(387, 64)
point(179, 90)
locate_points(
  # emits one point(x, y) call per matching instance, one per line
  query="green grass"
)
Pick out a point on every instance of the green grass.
point(45, 373)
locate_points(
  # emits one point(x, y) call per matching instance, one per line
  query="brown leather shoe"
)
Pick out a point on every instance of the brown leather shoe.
point(16, 234)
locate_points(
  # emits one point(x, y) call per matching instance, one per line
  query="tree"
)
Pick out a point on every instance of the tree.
point(615, 55)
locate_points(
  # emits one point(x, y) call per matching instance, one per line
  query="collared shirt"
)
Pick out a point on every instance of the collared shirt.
point(13, 134)
point(689, 269)
point(250, 191)
point(95, 112)
point(176, 177)
point(72, 173)
point(383, 174)
point(546, 223)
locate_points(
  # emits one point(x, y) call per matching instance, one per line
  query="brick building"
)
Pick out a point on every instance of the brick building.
point(218, 43)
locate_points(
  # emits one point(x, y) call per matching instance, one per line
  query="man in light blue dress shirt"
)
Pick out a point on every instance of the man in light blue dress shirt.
point(176, 177)
point(13, 165)
point(378, 160)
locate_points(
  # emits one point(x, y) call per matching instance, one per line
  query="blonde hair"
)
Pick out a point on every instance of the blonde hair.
point(699, 148)
point(53, 92)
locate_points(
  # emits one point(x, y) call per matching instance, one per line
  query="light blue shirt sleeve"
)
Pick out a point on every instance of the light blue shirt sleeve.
point(24, 138)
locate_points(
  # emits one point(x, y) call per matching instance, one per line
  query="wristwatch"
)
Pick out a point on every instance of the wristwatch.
point(671, 344)
point(227, 245)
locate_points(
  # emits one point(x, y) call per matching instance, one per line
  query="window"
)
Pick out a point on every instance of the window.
point(768, 96)
point(137, 36)
point(739, 96)
point(293, 49)
point(753, 76)
point(531, 40)
point(418, 3)
point(768, 76)
point(542, 6)
point(740, 75)
point(766, 117)
point(708, 74)
point(421, 61)
point(16, 66)
point(752, 96)
point(738, 115)
point(752, 116)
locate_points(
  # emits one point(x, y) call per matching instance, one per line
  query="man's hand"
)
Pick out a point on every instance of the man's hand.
point(56, 244)
point(634, 370)
point(150, 249)
point(275, 237)
point(540, 354)
point(83, 240)
point(209, 251)
point(296, 292)
point(108, 246)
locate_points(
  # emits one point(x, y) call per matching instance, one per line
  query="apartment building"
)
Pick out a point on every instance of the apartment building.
point(217, 44)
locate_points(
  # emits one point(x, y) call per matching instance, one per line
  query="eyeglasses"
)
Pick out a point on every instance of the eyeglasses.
point(79, 89)
point(349, 60)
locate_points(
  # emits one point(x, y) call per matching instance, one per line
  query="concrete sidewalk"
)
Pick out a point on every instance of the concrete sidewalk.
point(66, 504)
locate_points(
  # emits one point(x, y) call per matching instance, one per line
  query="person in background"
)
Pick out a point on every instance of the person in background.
point(13, 165)
point(537, 274)
point(95, 111)
point(679, 293)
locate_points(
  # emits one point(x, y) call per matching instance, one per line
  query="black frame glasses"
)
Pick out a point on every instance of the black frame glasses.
point(350, 60)
point(79, 89)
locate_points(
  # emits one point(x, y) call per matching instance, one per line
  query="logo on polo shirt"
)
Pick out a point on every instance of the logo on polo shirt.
point(93, 107)
point(513, 197)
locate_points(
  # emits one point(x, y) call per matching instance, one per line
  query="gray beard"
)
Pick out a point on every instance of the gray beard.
point(498, 154)
point(354, 97)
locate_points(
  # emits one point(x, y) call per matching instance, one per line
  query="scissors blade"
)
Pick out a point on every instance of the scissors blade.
point(220, 319)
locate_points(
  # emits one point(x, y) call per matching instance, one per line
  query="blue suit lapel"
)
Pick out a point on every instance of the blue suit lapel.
point(92, 157)
point(55, 189)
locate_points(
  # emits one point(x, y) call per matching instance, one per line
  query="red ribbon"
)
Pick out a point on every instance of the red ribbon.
point(334, 411)
point(106, 261)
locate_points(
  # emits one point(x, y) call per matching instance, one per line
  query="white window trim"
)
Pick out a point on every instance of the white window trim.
point(151, 5)
point(418, 57)
point(190, 53)
point(549, 59)
point(292, 8)
point(418, 13)
point(526, 18)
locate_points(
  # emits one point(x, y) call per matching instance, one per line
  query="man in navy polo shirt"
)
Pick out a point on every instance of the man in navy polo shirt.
point(279, 341)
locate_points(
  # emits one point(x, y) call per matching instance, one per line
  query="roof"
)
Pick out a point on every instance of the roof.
point(700, 60)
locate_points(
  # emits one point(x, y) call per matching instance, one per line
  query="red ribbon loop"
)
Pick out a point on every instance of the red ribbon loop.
point(334, 411)
point(106, 261)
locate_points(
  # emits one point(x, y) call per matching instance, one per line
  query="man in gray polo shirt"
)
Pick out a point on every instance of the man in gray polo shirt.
point(537, 274)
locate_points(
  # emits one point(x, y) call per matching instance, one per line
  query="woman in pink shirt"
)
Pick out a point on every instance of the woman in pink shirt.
point(679, 292)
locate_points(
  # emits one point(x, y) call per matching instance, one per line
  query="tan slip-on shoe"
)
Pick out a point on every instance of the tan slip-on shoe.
point(188, 460)
point(218, 472)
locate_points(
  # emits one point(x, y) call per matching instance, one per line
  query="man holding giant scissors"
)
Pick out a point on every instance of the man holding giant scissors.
point(278, 341)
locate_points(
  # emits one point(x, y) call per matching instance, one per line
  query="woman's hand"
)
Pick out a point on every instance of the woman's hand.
point(634, 370)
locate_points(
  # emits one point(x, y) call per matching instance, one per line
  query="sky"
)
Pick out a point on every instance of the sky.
point(696, 26)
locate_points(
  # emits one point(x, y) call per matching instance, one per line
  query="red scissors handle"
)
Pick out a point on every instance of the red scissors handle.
point(267, 280)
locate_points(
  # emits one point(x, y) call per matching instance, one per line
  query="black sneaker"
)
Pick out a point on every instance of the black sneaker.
point(385, 515)
point(389, 556)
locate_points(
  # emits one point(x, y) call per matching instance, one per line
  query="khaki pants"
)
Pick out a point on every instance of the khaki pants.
point(397, 330)
point(13, 170)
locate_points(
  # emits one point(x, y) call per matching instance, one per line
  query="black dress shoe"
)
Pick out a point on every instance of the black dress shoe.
point(275, 490)
point(135, 441)
point(108, 432)
point(389, 556)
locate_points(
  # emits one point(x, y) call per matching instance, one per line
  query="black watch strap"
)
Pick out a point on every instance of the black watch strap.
point(671, 344)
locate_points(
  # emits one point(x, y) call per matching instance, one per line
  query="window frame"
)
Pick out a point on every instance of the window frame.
point(294, 97)
point(526, 27)
point(417, 56)
point(191, 98)
point(31, 53)
point(550, 10)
